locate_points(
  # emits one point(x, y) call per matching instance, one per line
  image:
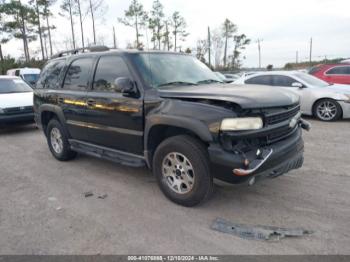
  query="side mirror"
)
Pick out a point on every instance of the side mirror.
point(297, 84)
point(125, 86)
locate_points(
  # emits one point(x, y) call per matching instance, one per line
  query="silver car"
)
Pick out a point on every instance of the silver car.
point(327, 102)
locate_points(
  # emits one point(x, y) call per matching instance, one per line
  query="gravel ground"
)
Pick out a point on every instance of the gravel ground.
point(43, 209)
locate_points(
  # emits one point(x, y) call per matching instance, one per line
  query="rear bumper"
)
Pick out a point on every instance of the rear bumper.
point(286, 154)
point(27, 117)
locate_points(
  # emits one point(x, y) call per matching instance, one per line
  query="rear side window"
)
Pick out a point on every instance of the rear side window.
point(259, 80)
point(78, 74)
point(108, 69)
point(339, 70)
point(49, 77)
point(282, 80)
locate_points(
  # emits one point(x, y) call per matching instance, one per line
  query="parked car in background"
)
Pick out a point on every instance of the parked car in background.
point(223, 78)
point(232, 77)
point(334, 74)
point(327, 102)
point(30, 75)
point(16, 100)
point(170, 112)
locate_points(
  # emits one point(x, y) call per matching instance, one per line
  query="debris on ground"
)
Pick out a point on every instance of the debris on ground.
point(257, 232)
point(102, 196)
point(88, 194)
point(58, 208)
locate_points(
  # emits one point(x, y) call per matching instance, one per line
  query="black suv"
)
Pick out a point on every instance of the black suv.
point(170, 112)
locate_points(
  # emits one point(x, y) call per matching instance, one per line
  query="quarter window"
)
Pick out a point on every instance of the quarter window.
point(108, 69)
point(339, 70)
point(259, 80)
point(49, 77)
point(78, 74)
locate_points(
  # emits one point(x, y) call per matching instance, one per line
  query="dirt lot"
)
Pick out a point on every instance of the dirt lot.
point(43, 210)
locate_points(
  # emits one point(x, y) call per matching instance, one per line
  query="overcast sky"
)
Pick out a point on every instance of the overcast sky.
point(285, 26)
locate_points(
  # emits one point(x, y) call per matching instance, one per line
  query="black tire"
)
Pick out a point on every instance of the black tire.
point(335, 115)
point(66, 153)
point(196, 154)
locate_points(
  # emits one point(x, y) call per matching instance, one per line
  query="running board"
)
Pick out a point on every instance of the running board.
point(117, 156)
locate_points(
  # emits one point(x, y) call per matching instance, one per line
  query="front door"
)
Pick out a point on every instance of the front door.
point(116, 120)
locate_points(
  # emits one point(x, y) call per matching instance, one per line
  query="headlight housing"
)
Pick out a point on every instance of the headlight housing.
point(241, 123)
point(348, 100)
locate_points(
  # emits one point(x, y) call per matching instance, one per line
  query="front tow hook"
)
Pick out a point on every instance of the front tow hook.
point(305, 125)
point(255, 164)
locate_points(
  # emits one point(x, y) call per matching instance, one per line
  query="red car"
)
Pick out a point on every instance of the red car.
point(334, 74)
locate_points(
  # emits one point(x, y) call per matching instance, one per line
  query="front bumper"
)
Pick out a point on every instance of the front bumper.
point(286, 154)
point(345, 108)
point(15, 118)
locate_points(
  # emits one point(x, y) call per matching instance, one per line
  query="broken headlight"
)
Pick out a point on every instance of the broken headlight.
point(242, 123)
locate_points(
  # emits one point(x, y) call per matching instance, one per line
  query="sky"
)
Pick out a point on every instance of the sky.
point(285, 27)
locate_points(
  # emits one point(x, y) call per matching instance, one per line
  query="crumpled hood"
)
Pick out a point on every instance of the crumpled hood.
point(246, 96)
point(16, 99)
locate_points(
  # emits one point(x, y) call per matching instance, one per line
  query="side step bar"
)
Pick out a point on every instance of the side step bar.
point(117, 156)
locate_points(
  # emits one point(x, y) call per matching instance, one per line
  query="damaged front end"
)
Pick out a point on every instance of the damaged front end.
point(272, 150)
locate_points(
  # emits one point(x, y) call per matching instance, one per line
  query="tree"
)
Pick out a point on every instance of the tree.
point(156, 22)
point(47, 14)
point(229, 29)
point(240, 43)
point(4, 38)
point(135, 17)
point(201, 50)
point(179, 28)
point(95, 7)
point(81, 22)
point(19, 21)
point(166, 37)
point(37, 6)
point(217, 43)
point(69, 10)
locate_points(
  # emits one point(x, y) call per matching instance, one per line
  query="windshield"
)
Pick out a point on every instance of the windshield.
point(31, 78)
point(165, 69)
point(311, 80)
point(14, 86)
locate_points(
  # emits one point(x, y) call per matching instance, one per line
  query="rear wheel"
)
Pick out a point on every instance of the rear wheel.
point(181, 167)
point(58, 141)
point(327, 110)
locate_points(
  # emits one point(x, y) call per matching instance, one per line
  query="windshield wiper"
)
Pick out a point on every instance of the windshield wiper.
point(209, 81)
point(182, 83)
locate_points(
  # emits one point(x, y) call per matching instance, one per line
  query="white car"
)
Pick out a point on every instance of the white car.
point(327, 102)
point(30, 75)
point(16, 100)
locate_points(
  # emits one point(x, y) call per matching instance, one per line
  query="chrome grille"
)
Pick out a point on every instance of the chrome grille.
point(18, 110)
point(275, 118)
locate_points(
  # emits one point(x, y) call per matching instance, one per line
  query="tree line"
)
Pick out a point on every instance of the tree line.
point(32, 21)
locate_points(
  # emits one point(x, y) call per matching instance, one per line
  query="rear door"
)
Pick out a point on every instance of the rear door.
point(72, 97)
point(116, 120)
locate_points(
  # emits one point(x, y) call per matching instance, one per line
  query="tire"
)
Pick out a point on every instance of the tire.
point(58, 142)
point(181, 167)
point(327, 110)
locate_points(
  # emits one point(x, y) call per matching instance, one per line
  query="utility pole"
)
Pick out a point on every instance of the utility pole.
point(296, 57)
point(310, 58)
point(209, 47)
point(114, 39)
point(259, 49)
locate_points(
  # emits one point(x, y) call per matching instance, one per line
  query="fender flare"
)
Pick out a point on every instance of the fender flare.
point(57, 111)
point(195, 126)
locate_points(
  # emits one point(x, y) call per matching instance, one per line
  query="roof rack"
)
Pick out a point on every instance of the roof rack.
point(96, 48)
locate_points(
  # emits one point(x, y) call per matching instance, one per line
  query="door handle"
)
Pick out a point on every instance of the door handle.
point(91, 102)
point(60, 100)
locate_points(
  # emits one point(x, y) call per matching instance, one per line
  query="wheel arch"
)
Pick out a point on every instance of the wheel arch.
point(47, 112)
point(313, 108)
point(159, 128)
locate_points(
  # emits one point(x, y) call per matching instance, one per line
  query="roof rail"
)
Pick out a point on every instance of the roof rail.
point(96, 48)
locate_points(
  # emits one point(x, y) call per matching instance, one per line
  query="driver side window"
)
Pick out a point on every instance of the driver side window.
point(108, 69)
point(279, 80)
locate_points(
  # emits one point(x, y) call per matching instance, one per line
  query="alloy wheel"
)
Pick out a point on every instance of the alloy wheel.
point(178, 173)
point(56, 140)
point(326, 110)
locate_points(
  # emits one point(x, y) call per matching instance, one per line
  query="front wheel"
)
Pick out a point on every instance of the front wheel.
point(181, 167)
point(327, 110)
